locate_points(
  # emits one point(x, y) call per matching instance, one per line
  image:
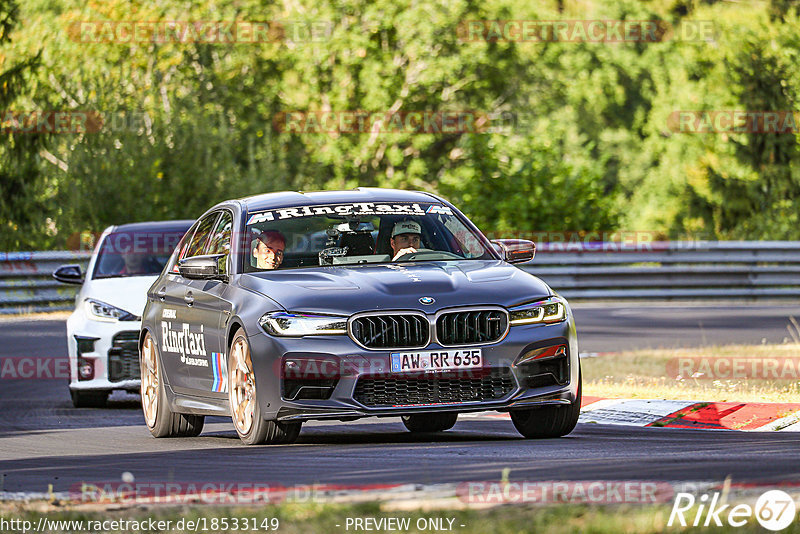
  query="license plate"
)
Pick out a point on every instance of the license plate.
point(439, 360)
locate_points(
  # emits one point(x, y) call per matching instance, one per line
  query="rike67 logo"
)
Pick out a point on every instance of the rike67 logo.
point(774, 510)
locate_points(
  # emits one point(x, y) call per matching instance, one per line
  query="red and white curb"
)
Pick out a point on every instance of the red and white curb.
point(746, 416)
point(752, 416)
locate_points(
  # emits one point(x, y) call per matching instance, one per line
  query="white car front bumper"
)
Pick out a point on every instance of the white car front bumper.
point(110, 348)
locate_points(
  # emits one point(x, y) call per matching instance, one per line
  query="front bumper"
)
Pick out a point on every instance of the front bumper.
point(110, 348)
point(505, 386)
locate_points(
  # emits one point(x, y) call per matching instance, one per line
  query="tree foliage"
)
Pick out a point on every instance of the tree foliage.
point(21, 173)
point(584, 142)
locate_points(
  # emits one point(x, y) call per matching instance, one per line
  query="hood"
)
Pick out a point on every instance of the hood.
point(128, 293)
point(358, 288)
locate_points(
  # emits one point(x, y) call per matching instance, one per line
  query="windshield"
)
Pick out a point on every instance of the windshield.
point(357, 233)
point(132, 253)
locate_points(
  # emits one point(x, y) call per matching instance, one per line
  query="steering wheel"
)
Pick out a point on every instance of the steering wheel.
point(410, 256)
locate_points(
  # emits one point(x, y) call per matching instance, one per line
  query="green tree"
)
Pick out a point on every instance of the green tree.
point(590, 147)
point(22, 209)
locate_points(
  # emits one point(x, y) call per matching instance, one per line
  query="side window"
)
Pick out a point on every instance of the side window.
point(469, 244)
point(221, 236)
point(182, 248)
point(198, 243)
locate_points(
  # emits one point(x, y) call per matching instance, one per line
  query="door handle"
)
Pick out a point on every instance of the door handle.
point(161, 293)
point(188, 298)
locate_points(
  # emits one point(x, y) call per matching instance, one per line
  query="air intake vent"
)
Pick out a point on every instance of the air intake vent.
point(391, 331)
point(123, 356)
point(471, 327)
point(433, 389)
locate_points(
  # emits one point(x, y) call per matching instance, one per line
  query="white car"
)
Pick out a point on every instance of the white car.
point(103, 331)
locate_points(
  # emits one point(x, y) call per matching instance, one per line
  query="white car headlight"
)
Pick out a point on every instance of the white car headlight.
point(551, 310)
point(100, 311)
point(296, 324)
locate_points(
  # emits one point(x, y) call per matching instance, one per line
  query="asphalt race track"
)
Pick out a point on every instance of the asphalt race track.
point(44, 441)
point(615, 328)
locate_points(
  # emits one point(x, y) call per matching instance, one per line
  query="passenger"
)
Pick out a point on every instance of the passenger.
point(268, 250)
point(406, 238)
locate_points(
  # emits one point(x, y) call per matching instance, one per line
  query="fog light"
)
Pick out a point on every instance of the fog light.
point(311, 367)
point(543, 353)
point(85, 369)
point(309, 377)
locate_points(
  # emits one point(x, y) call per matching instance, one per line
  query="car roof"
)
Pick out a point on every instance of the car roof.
point(154, 226)
point(287, 199)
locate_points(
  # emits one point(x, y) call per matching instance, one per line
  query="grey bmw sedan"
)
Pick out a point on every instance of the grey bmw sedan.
point(287, 307)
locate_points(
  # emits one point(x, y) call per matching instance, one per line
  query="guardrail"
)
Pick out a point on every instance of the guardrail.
point(607, 270)
point(670, 269)
point(27, 284)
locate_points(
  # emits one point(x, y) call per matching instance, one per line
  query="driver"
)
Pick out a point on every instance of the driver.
point(268, 250)
point(137, 263)
point(406, 237)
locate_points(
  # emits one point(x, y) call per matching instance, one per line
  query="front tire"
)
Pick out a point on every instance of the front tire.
point(161, 421)
point(430, 422)
point(245, 409)
point(549, 421)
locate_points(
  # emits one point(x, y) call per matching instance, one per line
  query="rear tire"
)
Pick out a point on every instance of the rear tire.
point(549, 421)
point(161, 421)
point(245, 408)
point(89, 398)
point(430, 422)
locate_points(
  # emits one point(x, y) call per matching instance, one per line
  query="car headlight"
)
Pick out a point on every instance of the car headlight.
point(302, 324)
point(100, 311)
point(551, 310)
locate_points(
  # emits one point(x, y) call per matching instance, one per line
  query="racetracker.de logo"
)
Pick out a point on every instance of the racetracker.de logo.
point(322, 368)
point(600, 241)
point(73, 122)
point(584, 31)
point(33, 368)
point(50, 122)
point(734, 121)
point(383, 122)
point(158, 242)
point(208, 32)
point(734, 367)
point(212, 492)
point(561, 492)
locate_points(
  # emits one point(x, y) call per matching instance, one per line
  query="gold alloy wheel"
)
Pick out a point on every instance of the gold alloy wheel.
point(149, 381)
point(242, 388)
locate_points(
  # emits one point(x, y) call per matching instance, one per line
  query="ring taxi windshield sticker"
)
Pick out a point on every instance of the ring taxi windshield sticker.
point(353, 208)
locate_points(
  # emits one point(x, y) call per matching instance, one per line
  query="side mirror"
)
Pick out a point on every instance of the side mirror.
point(69, 274)
point(210, 267)
point(515, 250)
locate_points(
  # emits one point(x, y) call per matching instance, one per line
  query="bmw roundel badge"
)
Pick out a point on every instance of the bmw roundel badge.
point(427, 300)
